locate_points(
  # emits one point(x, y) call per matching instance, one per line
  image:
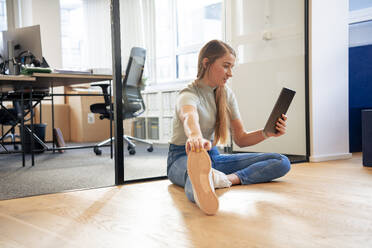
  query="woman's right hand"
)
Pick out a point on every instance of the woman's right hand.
point(196, 144)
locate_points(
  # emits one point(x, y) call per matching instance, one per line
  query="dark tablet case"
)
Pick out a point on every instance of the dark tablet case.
point(281, 106)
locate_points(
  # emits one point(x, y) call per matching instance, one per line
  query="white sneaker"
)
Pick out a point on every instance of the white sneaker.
point(220, 180)
point(199, 170)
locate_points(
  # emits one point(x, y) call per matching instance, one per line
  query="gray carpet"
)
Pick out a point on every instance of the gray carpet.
point(75, 169)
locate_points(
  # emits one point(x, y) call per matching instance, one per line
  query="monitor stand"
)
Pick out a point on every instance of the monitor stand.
point(11, 58)
point(14, 68)
point(44, 63)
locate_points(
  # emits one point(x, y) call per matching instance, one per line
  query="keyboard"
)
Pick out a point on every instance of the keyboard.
point(63, 71)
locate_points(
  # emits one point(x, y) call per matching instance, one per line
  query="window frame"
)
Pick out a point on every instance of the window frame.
point(361, 15)
point(357, 17)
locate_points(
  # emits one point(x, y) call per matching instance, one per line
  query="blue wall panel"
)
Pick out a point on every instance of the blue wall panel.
point(360, 91)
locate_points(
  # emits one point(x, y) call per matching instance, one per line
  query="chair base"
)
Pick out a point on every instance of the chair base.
point(131, 146)
point(12, 137)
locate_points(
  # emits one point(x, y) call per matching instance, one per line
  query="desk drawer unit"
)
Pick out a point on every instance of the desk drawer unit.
point(367, 137)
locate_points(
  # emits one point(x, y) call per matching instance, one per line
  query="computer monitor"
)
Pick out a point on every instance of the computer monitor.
point(26, 38)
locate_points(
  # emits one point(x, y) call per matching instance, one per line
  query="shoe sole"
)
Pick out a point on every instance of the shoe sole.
point(198, 169)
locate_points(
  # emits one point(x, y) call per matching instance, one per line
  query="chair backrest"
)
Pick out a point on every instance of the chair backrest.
point(133, 104)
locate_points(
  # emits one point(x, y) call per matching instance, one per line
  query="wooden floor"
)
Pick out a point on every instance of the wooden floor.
point(315, 205)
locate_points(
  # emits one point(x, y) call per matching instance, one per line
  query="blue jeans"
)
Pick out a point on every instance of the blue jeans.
point(249, 167)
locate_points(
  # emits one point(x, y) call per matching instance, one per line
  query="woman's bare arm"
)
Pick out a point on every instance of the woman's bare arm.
point(244, 139)
point(190, 119)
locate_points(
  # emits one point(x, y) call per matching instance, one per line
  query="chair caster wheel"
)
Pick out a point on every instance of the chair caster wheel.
point(150, 148)
point(97, 151)
point(132, 151)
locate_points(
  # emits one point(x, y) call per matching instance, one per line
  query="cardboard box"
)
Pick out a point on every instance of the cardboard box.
point(61, 119)
point(84, 125)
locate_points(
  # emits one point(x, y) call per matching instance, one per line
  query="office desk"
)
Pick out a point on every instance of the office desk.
point(46, 80)
point(9, 82)
point(37, 81)
point(57, 79)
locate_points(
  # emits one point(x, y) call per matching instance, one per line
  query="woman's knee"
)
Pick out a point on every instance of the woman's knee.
point(177, 171)
point(284, 165)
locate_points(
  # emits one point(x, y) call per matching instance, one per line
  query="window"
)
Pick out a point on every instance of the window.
point(3, 18)
point(86, 33)
point(360, 34)
point(360, 23)
point(71, 32)
point(359, 4)
point(182, 27)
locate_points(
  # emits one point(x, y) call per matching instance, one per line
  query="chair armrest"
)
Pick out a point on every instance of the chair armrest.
point(100, 84)
point(106, 95)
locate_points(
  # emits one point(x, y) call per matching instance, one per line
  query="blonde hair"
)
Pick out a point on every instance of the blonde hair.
point(213, 50)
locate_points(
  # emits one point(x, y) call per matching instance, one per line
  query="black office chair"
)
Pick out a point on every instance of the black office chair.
point(8, 117)
point(133, 104)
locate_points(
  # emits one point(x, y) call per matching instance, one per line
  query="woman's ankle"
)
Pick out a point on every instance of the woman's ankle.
point(234, 179)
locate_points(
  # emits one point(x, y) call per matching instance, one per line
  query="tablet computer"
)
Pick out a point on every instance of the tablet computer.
point(281, 106)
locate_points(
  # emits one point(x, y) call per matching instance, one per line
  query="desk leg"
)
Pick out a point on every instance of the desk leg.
point(111, 117)
point(32, 132)
point(53, 138)
point(2, 131)
point(23, 128)
point(40, 112)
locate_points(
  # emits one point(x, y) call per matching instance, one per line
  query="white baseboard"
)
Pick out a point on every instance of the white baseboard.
point(328, 157)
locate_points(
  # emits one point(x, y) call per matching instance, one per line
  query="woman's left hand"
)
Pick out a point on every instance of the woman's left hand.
point(280, 127)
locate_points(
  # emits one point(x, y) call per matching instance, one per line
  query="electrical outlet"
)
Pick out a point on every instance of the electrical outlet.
point(91, 118)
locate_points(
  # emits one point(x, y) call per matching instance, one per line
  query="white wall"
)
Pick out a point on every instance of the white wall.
point(329, 80)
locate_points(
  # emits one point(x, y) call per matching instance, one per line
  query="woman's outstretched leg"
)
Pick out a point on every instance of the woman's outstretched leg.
point(199, 169)
point(194, 173)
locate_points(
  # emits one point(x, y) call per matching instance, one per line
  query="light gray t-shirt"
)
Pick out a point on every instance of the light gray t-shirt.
point(201, 96)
